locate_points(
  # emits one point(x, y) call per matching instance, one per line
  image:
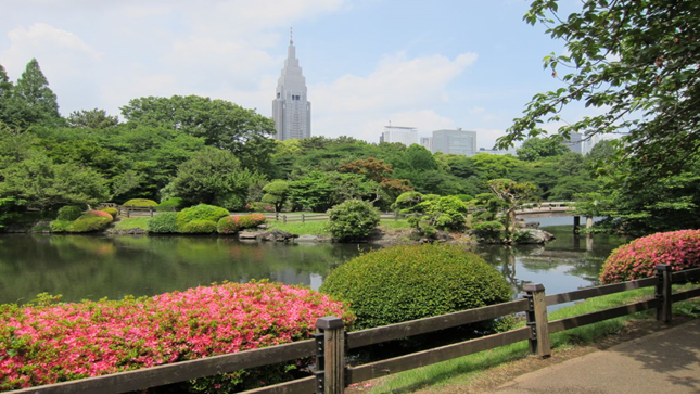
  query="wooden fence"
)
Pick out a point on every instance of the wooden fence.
point(308, 217)
point(331, 341)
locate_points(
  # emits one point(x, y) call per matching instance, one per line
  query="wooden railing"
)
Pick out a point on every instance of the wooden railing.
point(307, 217)
point(330, 342)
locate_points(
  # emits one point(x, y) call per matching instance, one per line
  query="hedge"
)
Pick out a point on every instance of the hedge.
point(69, 212)
point(198, 227)
point(163, 223)
point(90, 222)
point(140, 202)
point(200, 212)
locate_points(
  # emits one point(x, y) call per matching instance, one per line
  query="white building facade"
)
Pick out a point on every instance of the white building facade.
point(291, 109)
point(404, 135)
point(459, 142)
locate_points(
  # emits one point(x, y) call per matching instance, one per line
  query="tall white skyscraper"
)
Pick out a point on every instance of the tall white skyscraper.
point(291, 110)
point(404, 135)
point(460, 142)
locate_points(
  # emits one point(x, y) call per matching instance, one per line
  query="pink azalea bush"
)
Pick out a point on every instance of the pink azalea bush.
point(46, 343)
point(102, 213)
point(232, 224)
point(638, 259)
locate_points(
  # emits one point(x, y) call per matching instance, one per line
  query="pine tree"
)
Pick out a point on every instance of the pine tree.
point(5, 84)
point(33, 89)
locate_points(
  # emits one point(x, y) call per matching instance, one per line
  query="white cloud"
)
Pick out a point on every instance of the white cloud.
point(486, 138)
point(405, 91)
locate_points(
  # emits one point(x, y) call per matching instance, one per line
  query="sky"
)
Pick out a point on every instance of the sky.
point(432, 65)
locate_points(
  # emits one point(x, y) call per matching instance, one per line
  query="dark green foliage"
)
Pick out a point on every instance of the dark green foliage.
point(411, 282)
point(200, 212)
point(93, 119)
point(163, 223)
point(447, 213)
point(70, 212)
point(199, 227)
point(140, 202)
point(61, 226)
point(406, 201)
point(353, 220)
point(89, 222)
point(488, 230)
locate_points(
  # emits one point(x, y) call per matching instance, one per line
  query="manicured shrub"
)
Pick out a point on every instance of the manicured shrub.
point(405, 201)
point(251, 221)
point(169, 205)
point(200, 212)
point(489, 229)
point(199, 227)
point(163, 223)
point(228, 225)
point(69, 212)
point(352, 220)
point(47, 343)
point(61, 226)
point(446, 212)
point(100, 212)
point(637, 259)
point(141, 202)
point(90, 222)
point(111, 210)
point(410, 282)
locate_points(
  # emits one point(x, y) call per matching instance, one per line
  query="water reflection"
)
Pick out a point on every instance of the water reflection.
point(92, 267)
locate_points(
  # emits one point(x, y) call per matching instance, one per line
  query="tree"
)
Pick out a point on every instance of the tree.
point(277, 193)
point(638, 61)
point(93, 119)
point(220, 123)
point(534, 149)
point(5, 86)
point(511, 194)
point(215, 177)
point(33, 90)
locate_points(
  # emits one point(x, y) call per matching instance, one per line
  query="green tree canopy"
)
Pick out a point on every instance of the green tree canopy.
point(33, 89)
point(636, 60)
point(222, 124)
point(534, 149)
point(92, 119)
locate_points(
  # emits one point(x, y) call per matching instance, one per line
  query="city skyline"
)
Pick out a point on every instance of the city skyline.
point(472, 64)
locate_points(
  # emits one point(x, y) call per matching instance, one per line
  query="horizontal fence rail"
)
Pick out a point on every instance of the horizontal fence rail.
point(331, 375)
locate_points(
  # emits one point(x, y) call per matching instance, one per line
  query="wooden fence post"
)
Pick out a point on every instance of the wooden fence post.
point(302, 218)
point(150, 210)
point(128, 212)
point(284, 218)
point(330, 355)
point(537, 320)
point(664, 292)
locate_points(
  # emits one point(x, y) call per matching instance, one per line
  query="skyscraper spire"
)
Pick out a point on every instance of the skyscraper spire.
point(291, 110)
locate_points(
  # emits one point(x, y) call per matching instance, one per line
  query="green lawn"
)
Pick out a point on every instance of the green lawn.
point(125, 224)
point(301, 228)
point(462, 371)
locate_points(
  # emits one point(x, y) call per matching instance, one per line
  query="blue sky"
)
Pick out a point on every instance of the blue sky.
point(435, 64)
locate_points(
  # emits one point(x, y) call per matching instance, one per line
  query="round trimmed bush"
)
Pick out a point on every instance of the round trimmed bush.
point(228, 225)
point(251, 221)
point(199, 227)
point(111, 210)
point(61, 226)
point(69, 212)
point(90, 222)
point(410, 282)
point(163, 223)
point(200, 212)
point(100, 212)
point(352, 220)
point(140, 202)
point(637, 259)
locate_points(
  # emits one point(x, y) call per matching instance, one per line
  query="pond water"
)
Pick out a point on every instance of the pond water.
point(92, 267)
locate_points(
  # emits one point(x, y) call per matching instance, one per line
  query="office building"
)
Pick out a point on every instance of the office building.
point(404, 135)
point(459, 142)
point(291, 110)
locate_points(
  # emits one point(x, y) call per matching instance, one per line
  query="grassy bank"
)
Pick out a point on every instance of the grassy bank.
point(130, 223)
point(442, 377)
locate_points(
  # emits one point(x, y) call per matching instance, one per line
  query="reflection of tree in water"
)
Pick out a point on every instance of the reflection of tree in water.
point(503, 258)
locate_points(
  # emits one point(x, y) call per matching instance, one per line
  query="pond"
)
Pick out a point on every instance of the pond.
point(97, 266)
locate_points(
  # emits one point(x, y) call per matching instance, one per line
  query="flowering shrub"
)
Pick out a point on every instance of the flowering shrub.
point(232, 224)
point(251, 221)
point(102, 213)
point(637, 259)
point(45, 344)
point(111, 210)
point(228, 225)
point(259, 207)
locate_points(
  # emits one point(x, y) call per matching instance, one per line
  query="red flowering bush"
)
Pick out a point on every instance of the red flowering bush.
point(53, 343)
point(637, 259)
point(251, 221)
point(259, 207)
point(99, 212)
point(232, 224)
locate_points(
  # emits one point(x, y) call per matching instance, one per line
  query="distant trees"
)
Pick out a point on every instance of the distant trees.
point(30, 100)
